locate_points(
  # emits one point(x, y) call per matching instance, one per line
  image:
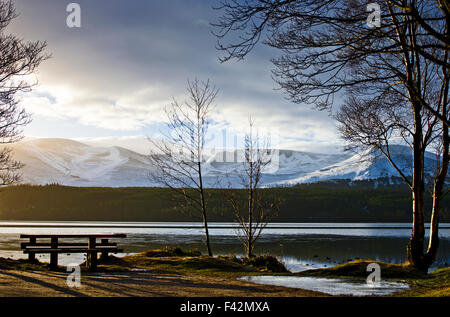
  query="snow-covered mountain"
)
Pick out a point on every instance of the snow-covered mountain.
point(73, 163)
point(367, 165)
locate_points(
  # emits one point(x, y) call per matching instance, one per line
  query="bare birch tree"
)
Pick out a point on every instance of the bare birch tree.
point(178, 158)
point(252, 212)
point(378, 122)
point(18, 59)
point(330, 53)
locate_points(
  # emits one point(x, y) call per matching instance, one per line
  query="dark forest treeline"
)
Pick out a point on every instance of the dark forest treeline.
point(323, 202)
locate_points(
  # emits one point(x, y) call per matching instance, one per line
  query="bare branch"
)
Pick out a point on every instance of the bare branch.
point(18, 59)
point(177, 159)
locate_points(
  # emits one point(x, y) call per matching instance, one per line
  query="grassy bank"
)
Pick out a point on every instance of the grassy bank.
point(167, 272)
point(193, 261)
point(174, 261)
point(169, 258)
point(304, 203)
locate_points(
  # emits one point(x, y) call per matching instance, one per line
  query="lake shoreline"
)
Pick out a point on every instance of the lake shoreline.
point(315, 246)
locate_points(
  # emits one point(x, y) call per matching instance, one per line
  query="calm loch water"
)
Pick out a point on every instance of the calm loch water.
point(299, 245)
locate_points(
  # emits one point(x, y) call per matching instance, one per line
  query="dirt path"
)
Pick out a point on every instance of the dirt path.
point(148, 284)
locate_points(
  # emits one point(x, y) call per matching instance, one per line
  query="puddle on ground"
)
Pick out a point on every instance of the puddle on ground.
point(139, 270)
point(332, 286)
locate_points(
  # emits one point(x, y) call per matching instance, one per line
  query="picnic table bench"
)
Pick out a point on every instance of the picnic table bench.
point(54, 246)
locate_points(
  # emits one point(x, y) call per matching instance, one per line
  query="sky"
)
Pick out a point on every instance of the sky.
point(113, 76)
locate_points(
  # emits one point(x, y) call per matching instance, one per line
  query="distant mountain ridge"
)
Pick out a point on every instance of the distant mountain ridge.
point(73, 163)
point(369, 165)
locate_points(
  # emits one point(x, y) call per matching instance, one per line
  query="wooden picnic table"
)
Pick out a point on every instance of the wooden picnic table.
point(52, 245)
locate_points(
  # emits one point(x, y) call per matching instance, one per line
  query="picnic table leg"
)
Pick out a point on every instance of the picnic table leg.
point(104, 255)
point(92, 262)
point(54, 255)
point(31, 255)
point(92, 255)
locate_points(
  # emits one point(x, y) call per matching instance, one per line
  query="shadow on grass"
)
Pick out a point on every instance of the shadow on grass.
point(64, 290)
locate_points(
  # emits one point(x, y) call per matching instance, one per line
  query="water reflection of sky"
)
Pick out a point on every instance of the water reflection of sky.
point(331, 286)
